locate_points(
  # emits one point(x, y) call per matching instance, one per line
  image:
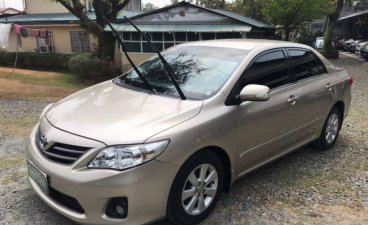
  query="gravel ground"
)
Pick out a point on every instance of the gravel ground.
point(305, 187)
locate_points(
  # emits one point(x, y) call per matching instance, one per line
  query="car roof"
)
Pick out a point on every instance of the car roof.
point(246, 44)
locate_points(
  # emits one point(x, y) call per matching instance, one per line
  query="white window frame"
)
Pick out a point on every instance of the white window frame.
point(48, 41)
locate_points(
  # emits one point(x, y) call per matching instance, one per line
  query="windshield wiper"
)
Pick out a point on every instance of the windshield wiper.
point(164, 62)
point(129, 59)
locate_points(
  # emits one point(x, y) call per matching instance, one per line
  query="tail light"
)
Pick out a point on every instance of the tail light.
point(351, 81)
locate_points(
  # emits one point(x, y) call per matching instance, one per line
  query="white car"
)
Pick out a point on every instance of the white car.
point(318, 43)
point(359, 46)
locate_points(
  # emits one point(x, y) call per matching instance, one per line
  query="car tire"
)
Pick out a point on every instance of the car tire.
point(193, 196)
point(330, 131)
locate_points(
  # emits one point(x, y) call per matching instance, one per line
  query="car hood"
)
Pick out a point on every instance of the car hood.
point(117, 115)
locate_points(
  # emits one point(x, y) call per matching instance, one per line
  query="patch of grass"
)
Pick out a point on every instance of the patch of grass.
point(42, 86)
point(58, 80)
point(16, 126)
point(12, 168)
point(362, 165)
point(7, 162)
point(12, 177)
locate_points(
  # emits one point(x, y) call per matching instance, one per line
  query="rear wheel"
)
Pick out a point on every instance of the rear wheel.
point(330, 130)
point(196, 189)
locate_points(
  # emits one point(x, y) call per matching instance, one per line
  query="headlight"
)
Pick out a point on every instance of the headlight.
point(127, 156)
point(45, 109)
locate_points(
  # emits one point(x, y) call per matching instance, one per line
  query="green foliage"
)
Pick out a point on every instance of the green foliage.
point(249, 8)
point(149, 7)
point(90, 69)
point(214, 4)
point(291, 14)
point(34, 59)
point(328, 47)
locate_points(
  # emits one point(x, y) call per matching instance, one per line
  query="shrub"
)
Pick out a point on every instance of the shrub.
point(90, 69)
point(328, 47)
point(34, 59)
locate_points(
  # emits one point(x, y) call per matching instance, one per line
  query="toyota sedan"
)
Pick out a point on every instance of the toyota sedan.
point(135, 150)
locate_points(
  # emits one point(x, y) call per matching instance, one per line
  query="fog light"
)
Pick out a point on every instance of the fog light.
point(117, 208)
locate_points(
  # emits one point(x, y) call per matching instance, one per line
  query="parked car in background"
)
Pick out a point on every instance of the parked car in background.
point(318, 43)
point(347, 44)
point(352, 46)
point(140, 147)
point(359, 46)
point(364, 52)
point(339, 43)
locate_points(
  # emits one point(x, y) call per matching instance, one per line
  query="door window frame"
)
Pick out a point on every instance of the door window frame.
point(293, 64)
point(232, 100)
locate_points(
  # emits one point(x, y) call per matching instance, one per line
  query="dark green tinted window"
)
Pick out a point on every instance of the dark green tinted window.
point(305, 64)
point(269, 69)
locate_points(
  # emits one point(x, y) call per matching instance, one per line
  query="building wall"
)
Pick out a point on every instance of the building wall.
point(61, 39)
point(51, 6)
point(44, 6)
point(137, 58)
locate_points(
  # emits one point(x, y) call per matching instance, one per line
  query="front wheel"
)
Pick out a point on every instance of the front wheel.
point(330, 130)
point(196, 189)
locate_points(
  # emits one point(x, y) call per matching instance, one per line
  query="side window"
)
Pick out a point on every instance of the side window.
point(270, 69)
point(305, 64)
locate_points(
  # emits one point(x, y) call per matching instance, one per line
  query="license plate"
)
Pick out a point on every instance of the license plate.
point(39, 177)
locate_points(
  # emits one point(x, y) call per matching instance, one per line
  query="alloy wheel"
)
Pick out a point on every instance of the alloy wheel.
point(332, 128)
point(199, 189)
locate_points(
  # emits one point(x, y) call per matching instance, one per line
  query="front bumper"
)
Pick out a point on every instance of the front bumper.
point(146, 187)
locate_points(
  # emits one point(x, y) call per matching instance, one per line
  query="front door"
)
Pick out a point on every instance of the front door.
point(265, 129)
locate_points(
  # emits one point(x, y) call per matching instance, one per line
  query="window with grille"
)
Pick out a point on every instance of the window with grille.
point(79, 41)
point(45, 45)
point(135, 43)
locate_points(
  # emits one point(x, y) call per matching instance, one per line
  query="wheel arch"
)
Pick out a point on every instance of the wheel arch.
point(341, 107)
point(225, 159)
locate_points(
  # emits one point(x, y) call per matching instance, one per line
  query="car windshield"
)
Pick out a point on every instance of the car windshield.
point(200, 70)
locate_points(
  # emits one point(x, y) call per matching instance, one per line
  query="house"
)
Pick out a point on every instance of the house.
point(64, 33)
point(183, 22)
point(7, 12)
point(352, 22)
point(354, 25)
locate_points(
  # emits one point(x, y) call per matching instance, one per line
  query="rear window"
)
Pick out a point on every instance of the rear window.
point(305, 64)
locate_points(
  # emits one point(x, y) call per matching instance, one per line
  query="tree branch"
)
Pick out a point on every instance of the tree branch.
point(68, 6)
point(122, 5)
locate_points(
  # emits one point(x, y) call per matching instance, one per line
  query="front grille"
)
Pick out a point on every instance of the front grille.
point(65, 200)
point(58, 152)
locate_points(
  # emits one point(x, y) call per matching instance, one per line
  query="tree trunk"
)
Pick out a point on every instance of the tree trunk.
point(332, 18)
point(106, 46)
point(287, 32)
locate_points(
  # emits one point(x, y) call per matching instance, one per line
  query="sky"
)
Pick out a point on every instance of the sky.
point(17, 4)
point(159, 3)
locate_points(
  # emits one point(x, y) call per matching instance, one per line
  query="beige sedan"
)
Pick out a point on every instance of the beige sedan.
point(132, 152)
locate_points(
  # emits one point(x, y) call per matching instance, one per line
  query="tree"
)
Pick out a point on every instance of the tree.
point(214, 4)
point(149, 7)
point(249, 8)
point(361, 4)
point(103, 8)
point(332, 19)
point(291, 14)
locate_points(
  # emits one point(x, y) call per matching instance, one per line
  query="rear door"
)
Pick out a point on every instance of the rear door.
point(315, 88)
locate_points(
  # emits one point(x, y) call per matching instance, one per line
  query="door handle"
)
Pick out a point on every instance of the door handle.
point(329, 86)
point(292, 99)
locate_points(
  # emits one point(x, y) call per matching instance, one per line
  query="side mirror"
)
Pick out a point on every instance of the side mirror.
point(254, 92)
